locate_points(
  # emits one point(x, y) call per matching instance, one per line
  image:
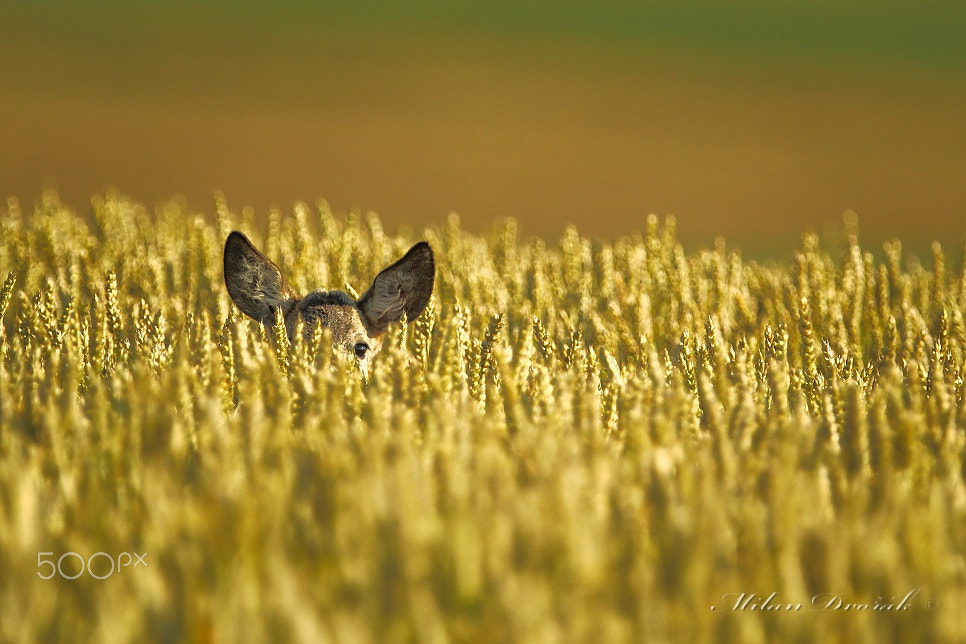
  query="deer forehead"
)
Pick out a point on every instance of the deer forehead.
point(336, 311)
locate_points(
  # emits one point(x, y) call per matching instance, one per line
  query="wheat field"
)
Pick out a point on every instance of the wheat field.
point(577, 441)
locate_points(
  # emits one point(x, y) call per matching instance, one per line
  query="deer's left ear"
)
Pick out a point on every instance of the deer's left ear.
point(254, 282)
point(406, 286)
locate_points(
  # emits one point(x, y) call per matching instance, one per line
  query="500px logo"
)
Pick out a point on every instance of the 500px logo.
point(124, 560)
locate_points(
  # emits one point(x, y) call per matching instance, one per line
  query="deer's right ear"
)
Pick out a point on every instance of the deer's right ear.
point(254, 282)
point(406, 286)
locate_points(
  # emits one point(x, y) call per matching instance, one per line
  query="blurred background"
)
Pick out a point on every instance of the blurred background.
point(746, 119)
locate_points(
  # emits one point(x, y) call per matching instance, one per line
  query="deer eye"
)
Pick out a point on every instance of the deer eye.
point(360, 349)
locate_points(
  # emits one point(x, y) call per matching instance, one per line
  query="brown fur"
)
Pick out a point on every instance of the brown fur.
point(258, 288)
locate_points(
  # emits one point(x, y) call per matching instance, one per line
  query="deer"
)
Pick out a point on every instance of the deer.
point(258, 288)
